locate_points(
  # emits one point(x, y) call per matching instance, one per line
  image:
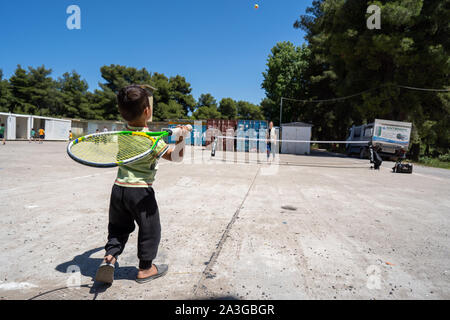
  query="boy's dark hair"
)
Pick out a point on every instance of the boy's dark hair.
point(132, 102)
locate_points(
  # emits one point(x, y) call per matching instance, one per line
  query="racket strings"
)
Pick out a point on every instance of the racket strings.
point(104, 149)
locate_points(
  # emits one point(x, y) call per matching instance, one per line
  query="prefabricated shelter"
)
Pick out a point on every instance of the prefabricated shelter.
point(55, 129)
point(93, 125)
point(82, 127)
point(18, 126)
point(79, 127)
point(296, 131)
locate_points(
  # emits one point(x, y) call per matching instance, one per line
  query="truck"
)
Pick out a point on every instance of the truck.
point(390, 138)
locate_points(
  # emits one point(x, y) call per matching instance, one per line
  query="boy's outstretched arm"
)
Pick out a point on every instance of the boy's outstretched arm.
point(176, 154)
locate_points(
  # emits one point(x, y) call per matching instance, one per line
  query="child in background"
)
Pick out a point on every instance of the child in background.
point(32, 135)
point(2, 133)
point(41, 135)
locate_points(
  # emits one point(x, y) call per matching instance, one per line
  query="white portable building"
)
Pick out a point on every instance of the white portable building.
point(296, 131)
point(93, 125)
point(18, 126)
point(83, 127)
point(57, 129)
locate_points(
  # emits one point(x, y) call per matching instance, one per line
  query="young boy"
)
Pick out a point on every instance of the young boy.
point(32, 135)
point(2, 133)
point(132, 198)
point(41, 135)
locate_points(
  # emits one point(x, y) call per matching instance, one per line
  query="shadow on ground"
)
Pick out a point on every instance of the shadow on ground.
point(88, 266)
point(83, 292)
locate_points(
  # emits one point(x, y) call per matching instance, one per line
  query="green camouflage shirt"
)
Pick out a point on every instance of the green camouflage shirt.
point(141, 174)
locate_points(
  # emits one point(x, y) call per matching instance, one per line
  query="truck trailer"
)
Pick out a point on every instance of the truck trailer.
point(390, 138)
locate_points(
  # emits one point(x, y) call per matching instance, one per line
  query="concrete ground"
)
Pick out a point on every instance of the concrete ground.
point(309, 227)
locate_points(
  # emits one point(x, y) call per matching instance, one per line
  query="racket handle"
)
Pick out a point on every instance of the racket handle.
point(176, 132)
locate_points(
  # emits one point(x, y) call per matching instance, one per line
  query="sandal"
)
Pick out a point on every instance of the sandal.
point(162, 270)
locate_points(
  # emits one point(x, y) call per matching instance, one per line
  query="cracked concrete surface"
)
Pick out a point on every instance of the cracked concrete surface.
point(317, 227)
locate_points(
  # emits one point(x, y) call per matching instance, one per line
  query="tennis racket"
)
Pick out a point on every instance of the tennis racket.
point(112, 149)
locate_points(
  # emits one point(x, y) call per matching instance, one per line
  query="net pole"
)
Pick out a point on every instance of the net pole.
point(281, 111)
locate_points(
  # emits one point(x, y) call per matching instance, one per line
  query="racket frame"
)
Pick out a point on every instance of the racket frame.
point(149, 135)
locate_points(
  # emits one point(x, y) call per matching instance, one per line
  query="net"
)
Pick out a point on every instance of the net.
point(285, 152)
point(111, 148)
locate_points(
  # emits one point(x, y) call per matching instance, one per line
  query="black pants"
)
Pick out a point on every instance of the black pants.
point(127, 206)
point(375, 158)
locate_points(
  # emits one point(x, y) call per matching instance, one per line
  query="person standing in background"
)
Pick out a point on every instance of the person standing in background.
point(41, 135)
point(32, 135)
point(2, 133)
point(271, 141)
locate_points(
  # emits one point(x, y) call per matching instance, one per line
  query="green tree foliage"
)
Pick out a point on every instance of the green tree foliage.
point(117, 77)
point(207, 100)
point(247, 110)
point(172, 110)
point(344, 57)
point(172, 99)
point(34, 91)
point(228, 108)
point(206, 108)
point(181, 93)
point(74, 97)
point(5, 94)
point(205, 112)
point(287, 75)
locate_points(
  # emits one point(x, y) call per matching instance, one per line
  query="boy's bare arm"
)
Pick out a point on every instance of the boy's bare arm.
point(176, 154)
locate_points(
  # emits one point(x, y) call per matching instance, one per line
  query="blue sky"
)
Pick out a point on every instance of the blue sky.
point(221, 47)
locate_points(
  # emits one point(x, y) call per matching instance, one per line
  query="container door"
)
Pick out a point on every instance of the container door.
point(299, 147)
point(30, 125)
point(287, 147)
point(48, 130)
point(11, 128)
